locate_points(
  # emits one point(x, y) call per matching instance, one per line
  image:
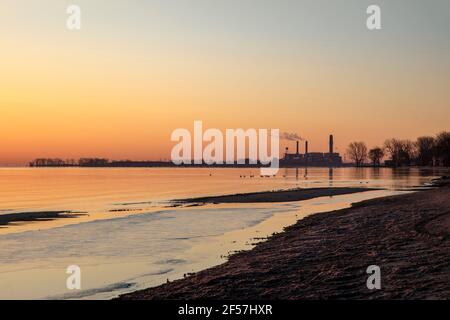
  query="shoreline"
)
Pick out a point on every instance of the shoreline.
point(276, 196)
point(12, 219)
point(325, 256)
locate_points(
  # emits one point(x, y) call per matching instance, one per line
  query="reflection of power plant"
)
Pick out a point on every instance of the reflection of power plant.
point(318, 159)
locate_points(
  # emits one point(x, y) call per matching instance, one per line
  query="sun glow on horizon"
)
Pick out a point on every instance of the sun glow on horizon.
point(133, 74)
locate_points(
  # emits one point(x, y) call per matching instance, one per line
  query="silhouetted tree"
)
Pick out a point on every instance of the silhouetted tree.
point(375, 155)
point(409, 152)
point(400, 151)
point(391, 146)
point(46, 162)
point(442, 148)
point(92, 162)
point(357, 151)
point(425, 150)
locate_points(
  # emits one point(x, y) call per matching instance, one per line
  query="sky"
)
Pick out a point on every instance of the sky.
point(137, 70)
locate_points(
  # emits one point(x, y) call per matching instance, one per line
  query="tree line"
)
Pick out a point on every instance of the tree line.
point(56, 162)
point(425, 151)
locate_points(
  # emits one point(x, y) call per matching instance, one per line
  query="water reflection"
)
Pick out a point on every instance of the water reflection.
point(156, 243)
point(330, 176)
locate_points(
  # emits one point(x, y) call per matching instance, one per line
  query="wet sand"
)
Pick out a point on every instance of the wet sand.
point(325, 256)
point(6, 219)
point(269, 196)
point(276, 196)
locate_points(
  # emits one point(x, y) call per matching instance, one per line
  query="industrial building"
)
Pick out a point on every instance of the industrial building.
point(313, 159)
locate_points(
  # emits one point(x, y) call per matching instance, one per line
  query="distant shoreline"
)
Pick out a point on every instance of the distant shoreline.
point(224, 166)
point(158, 164)
point(325, 256)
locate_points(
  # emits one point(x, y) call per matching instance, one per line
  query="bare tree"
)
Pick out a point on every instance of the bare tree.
point(92, 162)
point(443, 148)
point(400, 151)
point(425, 150)
point(357, 151)
point(375, 155)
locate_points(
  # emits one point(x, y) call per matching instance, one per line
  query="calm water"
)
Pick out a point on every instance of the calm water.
point(130, 238)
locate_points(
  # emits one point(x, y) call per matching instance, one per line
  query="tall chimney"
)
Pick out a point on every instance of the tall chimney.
point(306, 147)
point(331, 144)
point(297, 148)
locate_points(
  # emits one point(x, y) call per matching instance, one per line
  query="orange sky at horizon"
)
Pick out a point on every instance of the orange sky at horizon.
point(88, 94)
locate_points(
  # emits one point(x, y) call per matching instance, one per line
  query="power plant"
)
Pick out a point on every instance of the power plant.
point(313, 159)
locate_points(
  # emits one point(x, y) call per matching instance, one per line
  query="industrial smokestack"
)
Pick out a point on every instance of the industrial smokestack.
point(298, 151)
point(306, 147)
point(331, 143)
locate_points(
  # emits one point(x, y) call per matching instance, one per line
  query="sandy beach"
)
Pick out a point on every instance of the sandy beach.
point(325, 256)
